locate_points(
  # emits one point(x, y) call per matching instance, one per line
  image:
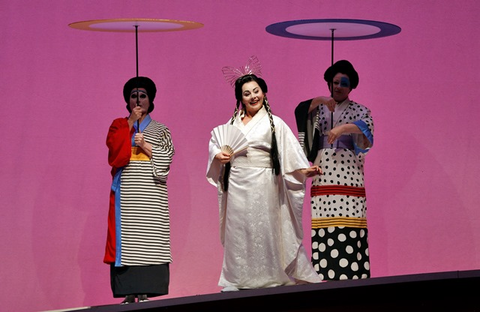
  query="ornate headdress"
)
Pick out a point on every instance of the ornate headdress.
point(231, 74)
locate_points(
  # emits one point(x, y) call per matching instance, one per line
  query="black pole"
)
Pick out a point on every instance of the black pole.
point(332, 29)
point(331, 91)
point(136, 48)
point(136, 68)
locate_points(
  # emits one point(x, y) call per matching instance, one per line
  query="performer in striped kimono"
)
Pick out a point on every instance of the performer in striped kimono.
point(336, 133)
point(140, 151)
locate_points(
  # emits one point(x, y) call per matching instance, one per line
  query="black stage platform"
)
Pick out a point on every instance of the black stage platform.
point(444, 291)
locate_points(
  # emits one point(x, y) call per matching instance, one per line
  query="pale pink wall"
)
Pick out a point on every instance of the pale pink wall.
point(62, 87)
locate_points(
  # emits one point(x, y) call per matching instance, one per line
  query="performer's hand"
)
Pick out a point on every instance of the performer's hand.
point(139, 139)
point(331, 104)
point(223, 157)
point(334, 134)
point(136, 114)
point(312, 171)
point(322, 100)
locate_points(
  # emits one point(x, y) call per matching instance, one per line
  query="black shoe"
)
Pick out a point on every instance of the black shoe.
point(128, 299)
point(142, 298)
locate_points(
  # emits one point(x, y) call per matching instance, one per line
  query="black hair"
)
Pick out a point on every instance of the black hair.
point(344, 67)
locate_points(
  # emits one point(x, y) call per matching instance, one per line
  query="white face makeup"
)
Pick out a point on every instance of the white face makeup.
point(139, 96)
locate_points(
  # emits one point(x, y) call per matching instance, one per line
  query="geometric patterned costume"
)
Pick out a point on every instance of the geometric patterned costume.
point(338, 201)
point(139, 218)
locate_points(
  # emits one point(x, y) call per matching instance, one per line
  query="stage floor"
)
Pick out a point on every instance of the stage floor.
point(442, 291)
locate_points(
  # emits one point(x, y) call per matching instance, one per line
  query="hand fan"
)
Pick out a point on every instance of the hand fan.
point(230, 139)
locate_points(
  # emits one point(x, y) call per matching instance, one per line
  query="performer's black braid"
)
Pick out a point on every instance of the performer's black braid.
point(235, 113)
point(274, 148)
point(226, 172)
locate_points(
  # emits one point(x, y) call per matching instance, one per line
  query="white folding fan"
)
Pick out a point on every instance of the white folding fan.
point(230, 139)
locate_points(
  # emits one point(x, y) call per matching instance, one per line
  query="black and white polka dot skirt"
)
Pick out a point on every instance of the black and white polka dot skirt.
point(340, 253)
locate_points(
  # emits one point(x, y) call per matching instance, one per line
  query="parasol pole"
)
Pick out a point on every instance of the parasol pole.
point(331, 91)
point(136, 49)
point(136, 68)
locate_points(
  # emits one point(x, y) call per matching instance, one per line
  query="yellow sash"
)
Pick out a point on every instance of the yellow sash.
point(138, 154)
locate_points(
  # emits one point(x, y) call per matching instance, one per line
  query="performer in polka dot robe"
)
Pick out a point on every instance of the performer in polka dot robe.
point(336, 133)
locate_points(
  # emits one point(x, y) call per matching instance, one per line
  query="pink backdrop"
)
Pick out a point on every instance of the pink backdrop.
point(62, 87)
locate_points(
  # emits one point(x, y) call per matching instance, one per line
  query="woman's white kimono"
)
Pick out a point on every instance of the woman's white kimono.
point(261, 213)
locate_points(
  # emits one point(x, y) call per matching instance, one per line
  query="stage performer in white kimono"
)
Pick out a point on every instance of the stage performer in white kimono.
point(140, 151)
point(260, 192)
point(336, 133)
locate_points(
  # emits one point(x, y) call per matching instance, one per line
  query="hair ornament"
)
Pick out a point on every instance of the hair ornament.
point(231, 74)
